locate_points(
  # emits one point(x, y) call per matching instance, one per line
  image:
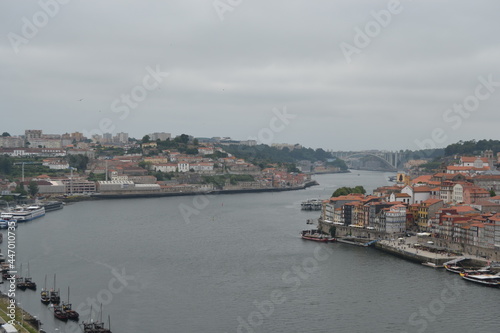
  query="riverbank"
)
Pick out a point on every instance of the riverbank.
point(135, 195)
point(408, 248)
point(25, 322)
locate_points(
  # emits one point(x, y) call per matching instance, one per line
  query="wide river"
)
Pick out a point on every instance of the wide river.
point(235, 263)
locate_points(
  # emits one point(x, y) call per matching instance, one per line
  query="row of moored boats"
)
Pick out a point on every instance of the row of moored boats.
point(62, 310)
point(484, 276)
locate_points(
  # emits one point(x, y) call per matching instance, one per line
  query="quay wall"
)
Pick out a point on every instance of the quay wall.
point(467, 250)
point(159, 193)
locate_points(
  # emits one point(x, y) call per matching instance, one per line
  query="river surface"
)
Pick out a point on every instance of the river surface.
point(235, 263)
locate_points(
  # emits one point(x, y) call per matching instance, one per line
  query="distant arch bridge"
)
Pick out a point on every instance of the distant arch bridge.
point(391, 160)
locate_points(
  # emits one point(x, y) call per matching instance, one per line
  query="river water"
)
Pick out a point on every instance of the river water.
point(235, 263)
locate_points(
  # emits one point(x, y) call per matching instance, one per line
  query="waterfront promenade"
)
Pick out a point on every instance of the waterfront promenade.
point(23, 319)
point(411, 248)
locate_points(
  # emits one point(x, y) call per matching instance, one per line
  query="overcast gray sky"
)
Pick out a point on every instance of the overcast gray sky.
point(354, 74)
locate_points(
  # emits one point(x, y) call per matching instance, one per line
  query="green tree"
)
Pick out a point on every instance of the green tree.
point(348, 190)
point(5, 165)
point(333, 231)
point(145, 165)
point(19, 189)
point(292, 168)
point(33, 188)
point(146, 139)
point(78, 161)
point(492, 193)
point(4, 134)
point(183, 138)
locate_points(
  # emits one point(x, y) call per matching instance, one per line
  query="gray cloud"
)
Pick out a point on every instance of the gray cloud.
point(227, 76)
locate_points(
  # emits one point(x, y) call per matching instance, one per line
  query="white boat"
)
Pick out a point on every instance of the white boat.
point(24, 214)
point(484, 279)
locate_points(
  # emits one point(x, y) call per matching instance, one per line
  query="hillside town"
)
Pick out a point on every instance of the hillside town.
point(115, 165)
point(456, 205)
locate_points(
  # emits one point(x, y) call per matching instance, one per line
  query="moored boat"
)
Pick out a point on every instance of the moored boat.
point(52, 205)
point(54, 295)
point(311, 204)
point(59, 313)
point(97, 326)
point(24, 213)
point(489, 280)
point(20, 284)
point(28, 281)
point(71, 314)
point(44, 294)
point(315, 235)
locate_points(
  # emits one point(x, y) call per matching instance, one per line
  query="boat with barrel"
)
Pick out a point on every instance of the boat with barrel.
point(44, 294)
point(490, 280)
point(71, 314)
point(59, 313)
point(20, 284)
point(28, 281)
point(97, 326)
point(54, 295)
point(316, 235)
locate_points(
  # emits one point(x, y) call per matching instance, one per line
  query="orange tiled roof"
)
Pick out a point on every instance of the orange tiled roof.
point(422, 179)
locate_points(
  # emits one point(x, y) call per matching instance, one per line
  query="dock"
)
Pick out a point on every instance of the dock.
point(356, 241)
point(407, 250)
